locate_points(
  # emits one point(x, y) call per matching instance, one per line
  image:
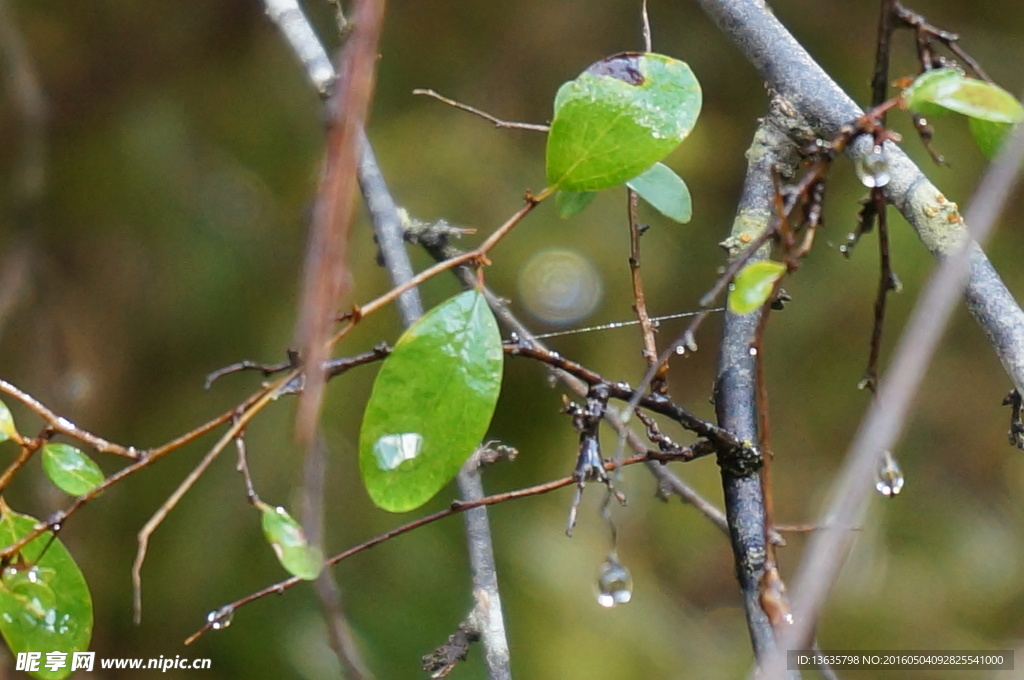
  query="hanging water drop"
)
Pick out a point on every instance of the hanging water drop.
point(888, 476)
point(872, 169)
point(614, 584)
point(221, 618)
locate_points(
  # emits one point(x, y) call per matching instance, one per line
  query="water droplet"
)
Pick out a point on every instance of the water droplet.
point(36, 599)
point(873, 170)
point(221, 618)
point(888, 476)
point(614, 584)
point(392, 450)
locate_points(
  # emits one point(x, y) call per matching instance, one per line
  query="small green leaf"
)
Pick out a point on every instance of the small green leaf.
point(947, 88)
point(288, 540)
point(431, 403)
point(7, 429)
point(989, 136)
point(620, 116)
point(753, 284)
point(665, 190)
point(45, 605)
point(70, 470)
point(569, 203)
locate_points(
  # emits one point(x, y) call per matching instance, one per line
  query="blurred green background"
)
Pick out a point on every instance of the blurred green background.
point(183, 146)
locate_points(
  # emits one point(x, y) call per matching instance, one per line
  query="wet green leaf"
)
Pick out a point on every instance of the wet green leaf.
point(70, 470)
point(620, 116)
point(989, 136)
point(948, 89)
point(753, 284)
point(7, 429)
point(45, 605)
point(665, 190)
point(289, 542)
point(431, 404)
point(569, 203)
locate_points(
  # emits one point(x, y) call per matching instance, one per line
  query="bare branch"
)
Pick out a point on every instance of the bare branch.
point(487, 617)
point(736, 387)
point(498, 122)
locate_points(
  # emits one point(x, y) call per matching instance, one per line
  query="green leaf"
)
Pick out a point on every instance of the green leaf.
point(569, 203)
point(70, 470)
point(989, 136)
point(289, 542)
point(620, 116)
point(947, 88)
point(45, 605)
point(431, 404)
point(7, 429)
point(665, 190)
point(753, 284)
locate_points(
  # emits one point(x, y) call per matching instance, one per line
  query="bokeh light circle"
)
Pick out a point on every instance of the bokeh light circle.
point(560, 287)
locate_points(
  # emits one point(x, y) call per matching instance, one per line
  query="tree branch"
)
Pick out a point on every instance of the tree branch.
point(736, 386)
point(487, 617)
point(817, 107)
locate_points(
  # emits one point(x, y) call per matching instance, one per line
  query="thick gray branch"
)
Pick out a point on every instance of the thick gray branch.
point(736, 386)
point(817, 107)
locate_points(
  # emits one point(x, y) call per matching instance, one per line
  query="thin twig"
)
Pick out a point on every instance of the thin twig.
point(887, 282)
point(659, 383)
point(455, 508)
point(145, 458)
point(478, 254)
point(62, 425)
point(498, 122)
point(883, 42)
point(238, 424)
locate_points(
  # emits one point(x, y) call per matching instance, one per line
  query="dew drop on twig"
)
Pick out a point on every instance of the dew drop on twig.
point(221, 618)
point(614, 584)
point(888, 476)
point(872, 169)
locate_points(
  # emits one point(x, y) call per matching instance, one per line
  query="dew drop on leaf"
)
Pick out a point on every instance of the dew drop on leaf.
point(614, 584)
point(392, 450)
point(888, 476)
point(872, 169)
point(221, 618)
